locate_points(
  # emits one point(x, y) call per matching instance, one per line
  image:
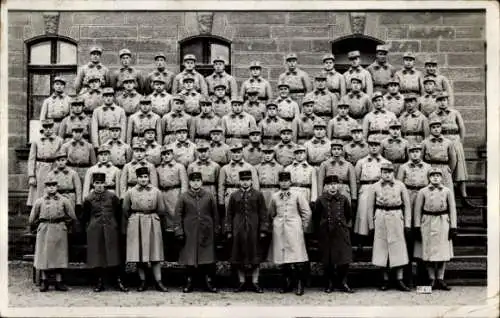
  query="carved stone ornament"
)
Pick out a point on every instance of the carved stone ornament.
point(205, 22)
point(358, 21)
point(51, 20)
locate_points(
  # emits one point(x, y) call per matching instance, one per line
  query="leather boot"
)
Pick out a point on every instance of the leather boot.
point(160, 287)
point(99, 287)
point(120, 285)
point(240, 288)
point(401, 286)
point(286, 283)
point(60, 286)
point(44, 285)
point(189, 285)
point(256, 288)
point(328, 279)
point(342, 274)
point(385, 285)
point(442, 285)
point(210, 286)
point(300, 273)
point(142, 286)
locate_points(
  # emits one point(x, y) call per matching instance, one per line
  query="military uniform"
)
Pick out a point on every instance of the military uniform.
point(410, 80)
point(271, 129)
point(112, 173)
point(184, 152)
point(344, 170)
point(303, 126)
point(359, 72)
point(139, 122)
point(129, 101)
point(359, 105)
point(223, 77)
point(91, 70)
point(353, 150)
point(284, 153)
point(381, 73)
point(427, 101)
point(442, 83)
point(80, 155)
point(255, 108)
point(414, 175)
point(219, 152)
point(335, 82)
point(317, 150)
point(253, 153)
point(395, 150)
point(210, 174)
point(56, 106)
point(297, 80)
point(103, 117)
point(202, 125)
point(191, 101)
point(394, 102)
point(128, 178)
point(339, 127)
point(118, 76)
point(259, 83)
point(325, 104)
point(288, 109)
point(73, 120)
point(376, 122)
point(199, 81)
point(69, 184)
point(160, 101)
point(414, 125)
point(221, 106)
point(120, 152)
point(153, 152)
point(304, 179)
point(164, 74)
point(92, 99)
point(173, 120)
point(237, 126)
point(268, 172)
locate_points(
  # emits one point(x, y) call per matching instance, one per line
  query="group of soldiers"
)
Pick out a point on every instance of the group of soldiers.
point(372, 151)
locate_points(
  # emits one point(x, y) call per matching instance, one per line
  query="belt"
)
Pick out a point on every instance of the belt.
point(102, 127)
point(193, 113)
point(426, 212)
point(438, 162)
point(345, 138)
point(388, 208)
point(413, 133)
point(167, 133)
point(268, 186)
point(262, 98)
point(380, 131)
point(367, 181)
point(334, 90)
point(131, 184)
point(288, 119)
point(356, 116)
point(306, 136)
point(232, 185)
point(57, 120)
point(315, 164)
point(271, 137)
point(166, 188)
point(449, 131)
point(66, 191)
point(79, 165)
point(49, 160)
point(410, 91)
point(85, 136)
point(236, 136)
point(119, 166)
point(414, 187)
point(52, 221)
point(111, 187)
point(143, 211)
point(88, 112)
point(297, 91)
point(301, 185)
point(325, 113)
point(397, 160)
point(209, 183)
point(134, 134)
point(205, 137)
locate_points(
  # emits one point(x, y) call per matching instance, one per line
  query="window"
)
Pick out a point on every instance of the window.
point(48, 56)
point(366, 45)
point(205, 48)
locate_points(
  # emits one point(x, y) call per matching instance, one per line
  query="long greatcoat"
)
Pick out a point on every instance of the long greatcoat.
point(246, 218)
point(198, 219)
point(331, 216)
point(102, 217)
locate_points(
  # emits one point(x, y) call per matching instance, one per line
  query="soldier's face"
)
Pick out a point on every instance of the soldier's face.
point(374, 149)
point(77, 134)
point(357, 135)
point(356, 86)
point(128, 85)
point(332, 188)
point(47, 130)
point(77, 109)
point(336, 151)
point(98, 186)
point(115, 133)
point(415, 154)
point(188, 85)
point(429, 87)
point(61, 162)
point(255, 71)
point(291, 63)
point(320, 83)
point(181, 136)
point(343, 111)
point(145, 107)
point(387, 175)
point(125, 60)
point(435, 178)
point(329, 65)
point(254, 138)
point(189, 64)
point(167, 156)
point(319, 132)
point(139, 154)
point(285, 184)
point(284, 91)
point(143, 179)
point(203, 154)
point(149, 135)
point(177, 105)
point(430, 68)
point(236, 155)
point(220, 92)
point(408, 62)
point(103, 157)
point(286, 136)
point(195, 184)
point(216, 136)
point(237, 107)
point(219, 67)
point(435, 129)
point(307, 108)
point(300, 156)
point(443, 103)
point(159, 86)
point(355, 61)
point(58, 86)
point(51, 188)
point(95, 57)
point(381, 56)
point(206, 108)
point(246, 183)
point(268, 156)
point(160, 63)
point(393, 88)
point(395, 131)
point(272, 111)
point(95, 84)
point(378, 102)
point(411, 104)
point(108, 99)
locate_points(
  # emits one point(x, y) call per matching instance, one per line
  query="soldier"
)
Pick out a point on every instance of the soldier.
point(103, 165)
point(208, 168)
point(367, 173)
point(221, 103)
point(436, 224)
point(271, 125)
point(79, 152)
point(92, 69)
point(414, 125)
point(184, 149)
point(291, 215)
point(102, 218)
point(160, 98)
point(198, 223)
point(177, 118)
point(356, 70)
point(358, 101)
point(427, 102)
point(92, 97)
point(357, 148)
point(339, 127)
point(128, 177)
point(380, 70)
point(220, 76)
point(394, 147)
point(325, 103)
point(237, 124)
point(414, 176)
point(376, 122)
point(51, 217)
point(393, 99)
point(219, 150)
point(69, 184)
point(253, 106)
point(410, 79)
point(318, 147)
point(160, 73)
point(228, 176)
point(128, 98)
point(191, 96)
point(268, 170)
point(40, 160)
point(203, 123)
point(252, 153)
point(126, 71)
point(153, 148)
point(284, 150)
point(304, 176)
point(103, 116)
point(56, 106)
point(143, 208)
point(303, 124)
point(297, 79)
point(246, 225)
point(288, 109)
point(331, 216)
point(141, 120)
point(189, 63)
point(442, 83)
point(120, 152)
point(343, 169)
point(335, 82)
point(389, 216)
point(256, 81)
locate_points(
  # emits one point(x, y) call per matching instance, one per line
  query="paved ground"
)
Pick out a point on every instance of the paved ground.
point(22, 293)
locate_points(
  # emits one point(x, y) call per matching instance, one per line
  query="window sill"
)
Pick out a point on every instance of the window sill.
point(23, 152)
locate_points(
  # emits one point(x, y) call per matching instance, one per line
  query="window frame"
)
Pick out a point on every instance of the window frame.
point(206, 41)
point(348, 41)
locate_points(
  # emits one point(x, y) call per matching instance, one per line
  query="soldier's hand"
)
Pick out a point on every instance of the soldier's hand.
point(417, 234)
point(32, 181)
point(229, 235)
point(263, 235)
point(452, 234)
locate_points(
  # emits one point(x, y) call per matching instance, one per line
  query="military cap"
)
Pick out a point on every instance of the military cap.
point(267, 149)
point(150, 128)
point(409, 55)
point(271, 104)
point(98, 176)
point(115, 125)
point(387, 166)
point(415, 146)
point(217, 129)
point(77, 101)
point(255, 64)
point(187, 78)
point(188, 57)
point(353, 54)
point(284, 176)
point(308, 100)
point(394, 123)
point(320, 76)
point(434, 120)
point(77, 127)
point(142, 171)
point(60, 79)
point(95, 49)
point(220, 85)
point(442, 95)
point(299, 148)
point(50, 181)
point(430, 60)
point(290, 56)
point(236, 146)
point(245, 175)
point(356, 78)
point(167, 148)
point(357, 128)
point(328, 57)
point(48, 122)
point(381, 48)
point(285, 128)
point(159, 79)
point(393, 80)
point(181, 129)
point(237, 99)
point(429, 79)
point(145, 100)
point(320, 123)
point(411, 96)
point(160, 54)
point(376, 95)
point(128, 78)
point(336, 142)
point(434, 171)
point(103, 148)
point(60, 154)
point(138, 144)
point(202, 146)
point(282, 84)
point(108, 91)
point(329, 179)
point(219, 59)
point(179, 97)
point(254, 130)
point(343, 105)
point(124, 52)
point(372, 140)
point(193, 176)
point(252, 91)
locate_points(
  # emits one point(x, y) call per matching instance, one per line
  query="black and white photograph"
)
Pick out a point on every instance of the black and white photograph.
point(250, 159)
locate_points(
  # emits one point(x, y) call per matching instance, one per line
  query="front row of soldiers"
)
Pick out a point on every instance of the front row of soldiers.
point(139, 221)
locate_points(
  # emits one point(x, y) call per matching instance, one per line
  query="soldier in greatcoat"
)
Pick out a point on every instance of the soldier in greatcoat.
point(302, 125)
point(410, 79)
point(75, 118)
point(252, 153)
point(191, 96)
point(153, 148)
point(395, 148)
point(177, 118)
point(160, 98)
point(120, 152)
point(356, 70)
point(339, 127)
point(358, 147)
point(160, 73)
point(271, 125)
point(189, 63)
point(69, 184)
point(442, 82)
point(204, 122)
point(93, 68)
point(393, 99)
point(254, 106)
point(126, 71)
point(51, 216)
point(209, 169)
point(376, 122)
point(427, 102)
point(221, 102)
point(268, 170)
point(389, 216)
point(414, 124)
point(318, 147)
point(287, 108)
point(102, 218)
point(129, 98)
point(219, 150)
point(197, 224)
point(220, 76)
point(57, 105)
point(358, 101)
point(102, 118)
point(436, 220)
point(380, 70)
point(237, 124)
point(105, 166)
point(143, 208)
point(325, 102)
point(92, 97)
point(79, 152)
point(184, 149)
point(141, 120)
point(284, 150)
point(335, 82)
point(246, 225)
point(290, 217)
point(128, 177)
point(256, 81)
point(297, 79)
point(332, 216)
